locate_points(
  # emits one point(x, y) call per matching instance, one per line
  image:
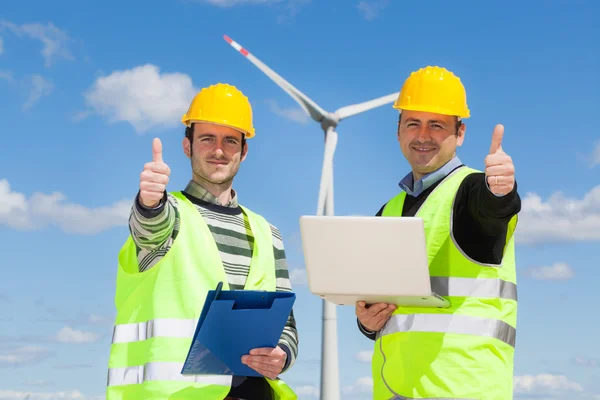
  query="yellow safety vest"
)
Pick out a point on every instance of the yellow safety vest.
point(157, 312)
point(463, 352)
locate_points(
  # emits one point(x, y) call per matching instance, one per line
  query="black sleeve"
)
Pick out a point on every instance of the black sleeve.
point(364, 331)
point(480, 221)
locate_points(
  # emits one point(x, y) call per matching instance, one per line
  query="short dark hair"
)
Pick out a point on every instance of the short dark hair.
point(189, 133)
point(457, 125)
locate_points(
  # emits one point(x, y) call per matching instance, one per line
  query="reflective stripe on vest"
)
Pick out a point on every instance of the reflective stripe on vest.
point(473, 287)
point(161, 371)
point(166, 327)
point(450, 323)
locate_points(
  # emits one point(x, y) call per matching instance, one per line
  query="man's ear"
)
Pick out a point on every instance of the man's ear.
point(460, 135)
point(187, 147)
point(244, 151)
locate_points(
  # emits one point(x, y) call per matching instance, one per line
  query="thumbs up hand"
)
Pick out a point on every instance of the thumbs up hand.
point(499, 168)
point(154, 177)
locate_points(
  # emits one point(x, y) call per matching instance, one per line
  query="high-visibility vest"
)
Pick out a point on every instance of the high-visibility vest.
point(463, 352)
point(158, 309)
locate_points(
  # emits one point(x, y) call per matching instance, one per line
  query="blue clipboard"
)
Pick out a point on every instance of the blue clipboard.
point(232, 323)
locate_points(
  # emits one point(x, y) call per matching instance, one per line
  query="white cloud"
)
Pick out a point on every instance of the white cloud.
point(362, 385)
point(23, 355)
point(556, 272)
point(63, 395)
point(70, 335)
point(298, 276)
point(142, 96)
point(41, 210)
point(544, 383)
point(371, 9)
point(55, 41)
point(364, 356)
point(559, 219)
point(307, 390)
point(39, 87)
point(295, 114)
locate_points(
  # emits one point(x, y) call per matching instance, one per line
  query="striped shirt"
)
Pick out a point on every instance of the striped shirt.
point(155, 230)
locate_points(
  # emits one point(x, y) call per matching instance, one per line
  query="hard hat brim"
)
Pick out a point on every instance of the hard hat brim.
point(434, 110)
point(246, 134)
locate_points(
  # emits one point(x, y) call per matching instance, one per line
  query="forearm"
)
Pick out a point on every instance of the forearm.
point(151, 229)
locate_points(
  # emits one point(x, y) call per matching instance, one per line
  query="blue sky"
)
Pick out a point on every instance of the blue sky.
point(83, 86)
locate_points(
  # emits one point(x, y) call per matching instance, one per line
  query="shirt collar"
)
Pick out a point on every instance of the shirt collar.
point(199, 192)
point(416, 188)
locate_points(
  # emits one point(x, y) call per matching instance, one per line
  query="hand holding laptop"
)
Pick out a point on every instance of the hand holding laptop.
point(375, 316)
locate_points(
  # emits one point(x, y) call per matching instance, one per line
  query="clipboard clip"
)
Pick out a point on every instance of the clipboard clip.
point(218, 290)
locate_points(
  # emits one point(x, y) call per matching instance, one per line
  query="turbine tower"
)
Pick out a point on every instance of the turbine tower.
point(330, 386)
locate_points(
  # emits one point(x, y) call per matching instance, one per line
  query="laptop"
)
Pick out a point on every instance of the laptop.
point(371, 259)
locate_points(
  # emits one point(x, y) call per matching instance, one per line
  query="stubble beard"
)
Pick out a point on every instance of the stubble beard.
point(202, 177)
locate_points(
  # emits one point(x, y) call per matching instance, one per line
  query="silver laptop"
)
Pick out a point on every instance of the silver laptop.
point(372, 259)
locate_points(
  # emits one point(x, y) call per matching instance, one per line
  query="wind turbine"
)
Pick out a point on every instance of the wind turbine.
point(330, 386)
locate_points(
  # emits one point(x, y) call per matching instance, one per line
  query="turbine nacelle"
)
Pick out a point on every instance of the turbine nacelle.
point(330, 120)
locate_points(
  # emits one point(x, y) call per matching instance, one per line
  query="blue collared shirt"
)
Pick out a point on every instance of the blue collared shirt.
point(416, 188)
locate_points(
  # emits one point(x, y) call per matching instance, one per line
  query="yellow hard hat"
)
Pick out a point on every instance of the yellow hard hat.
point(433, 89)
point(221, 104)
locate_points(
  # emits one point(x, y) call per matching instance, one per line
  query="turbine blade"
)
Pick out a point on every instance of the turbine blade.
point(311, 108)
point(348, 111)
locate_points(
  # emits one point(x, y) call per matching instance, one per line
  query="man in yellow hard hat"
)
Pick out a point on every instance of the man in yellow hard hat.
point(181, 245)
point(465, 351)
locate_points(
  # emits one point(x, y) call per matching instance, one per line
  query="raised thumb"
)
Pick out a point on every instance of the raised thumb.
point(497, 139)
point(156, 150)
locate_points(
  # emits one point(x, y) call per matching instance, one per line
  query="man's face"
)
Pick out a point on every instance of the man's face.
point(216, 152)
point(428, 141)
